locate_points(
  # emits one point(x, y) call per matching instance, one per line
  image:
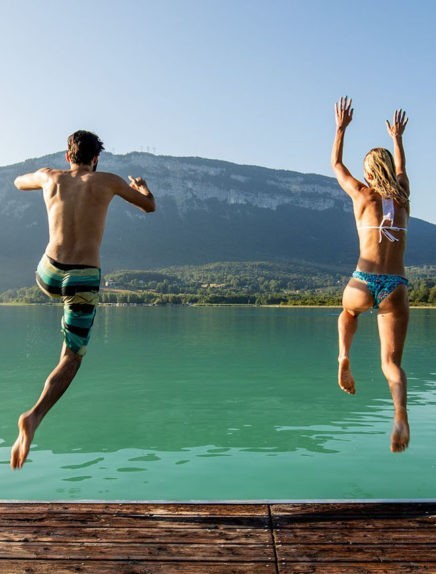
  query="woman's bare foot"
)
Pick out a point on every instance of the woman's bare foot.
point(27, 427)
point(400, 434)
point(345, 378)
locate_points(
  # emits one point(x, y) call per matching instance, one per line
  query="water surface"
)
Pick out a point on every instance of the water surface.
point(204, 403)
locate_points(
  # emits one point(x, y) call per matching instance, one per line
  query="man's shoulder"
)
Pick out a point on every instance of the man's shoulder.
point(52, 172)
point(108, 179)
point(47, 174)
point(107, 175)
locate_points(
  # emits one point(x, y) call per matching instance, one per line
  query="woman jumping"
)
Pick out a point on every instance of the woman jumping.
point(381, 210)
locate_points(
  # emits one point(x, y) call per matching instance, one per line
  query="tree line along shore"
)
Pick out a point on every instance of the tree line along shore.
point(252, 283)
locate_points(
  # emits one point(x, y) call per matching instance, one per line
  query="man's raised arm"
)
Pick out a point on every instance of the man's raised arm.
point(138, 194)
point(30, 181)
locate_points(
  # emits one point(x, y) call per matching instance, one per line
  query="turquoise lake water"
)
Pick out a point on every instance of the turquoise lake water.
point(204, 403)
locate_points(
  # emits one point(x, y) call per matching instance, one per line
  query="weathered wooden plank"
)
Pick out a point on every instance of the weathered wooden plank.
point(369, 517)
point(356, 553)
point(140, 509)
point(96, 521)
point(162, 552)
point(356, 535)
point(356, 568)
point(159, 534)
point(187, 516)
point(364, 523)
point(131, 567)
point(347, 510)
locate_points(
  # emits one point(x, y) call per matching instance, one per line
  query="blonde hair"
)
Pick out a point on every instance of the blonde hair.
point(379, 163)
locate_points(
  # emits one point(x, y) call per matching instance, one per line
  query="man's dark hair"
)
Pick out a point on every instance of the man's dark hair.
point(83, 147)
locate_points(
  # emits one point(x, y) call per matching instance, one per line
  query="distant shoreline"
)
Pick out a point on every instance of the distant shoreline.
point(251, 305)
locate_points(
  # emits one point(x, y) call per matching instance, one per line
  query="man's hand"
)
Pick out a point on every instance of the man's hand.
point(399, 124)
point(343, 113)
point(137, 183)
point(140, 185)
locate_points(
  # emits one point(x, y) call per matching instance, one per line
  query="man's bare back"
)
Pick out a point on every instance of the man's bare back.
point(77, 201)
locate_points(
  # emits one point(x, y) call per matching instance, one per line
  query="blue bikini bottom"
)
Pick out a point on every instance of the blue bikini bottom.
point(380, 286)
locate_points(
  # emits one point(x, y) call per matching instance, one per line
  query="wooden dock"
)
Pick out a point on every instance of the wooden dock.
point(143, 538)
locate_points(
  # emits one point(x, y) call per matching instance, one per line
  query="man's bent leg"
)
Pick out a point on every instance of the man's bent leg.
point(355, 300)
point(392, 321)
point(55, 386)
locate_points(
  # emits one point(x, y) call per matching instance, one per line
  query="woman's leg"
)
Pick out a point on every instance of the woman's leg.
point(355, 300)
point(392, 321)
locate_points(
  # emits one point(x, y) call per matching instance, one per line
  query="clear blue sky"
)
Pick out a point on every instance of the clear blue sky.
point(248, 81)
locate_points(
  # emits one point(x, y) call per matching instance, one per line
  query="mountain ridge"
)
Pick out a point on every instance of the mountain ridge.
point(207, 210)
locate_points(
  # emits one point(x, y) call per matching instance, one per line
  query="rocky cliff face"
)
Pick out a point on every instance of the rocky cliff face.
point(208, 211)
point(195, 179)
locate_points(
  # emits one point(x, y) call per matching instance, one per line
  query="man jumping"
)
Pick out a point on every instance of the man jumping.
point(77, 201)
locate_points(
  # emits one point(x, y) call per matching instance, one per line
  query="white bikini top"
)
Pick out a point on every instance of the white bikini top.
point(388, 215)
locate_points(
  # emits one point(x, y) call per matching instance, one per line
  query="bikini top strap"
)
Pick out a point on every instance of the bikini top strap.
point(388, 215)
point(388, 210)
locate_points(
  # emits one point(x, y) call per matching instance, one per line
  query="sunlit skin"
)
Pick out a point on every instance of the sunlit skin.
point(375, 257)
point(77, 201)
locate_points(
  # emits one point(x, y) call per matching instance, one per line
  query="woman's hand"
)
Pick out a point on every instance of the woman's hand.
point(343, 113)
point(396, 131)
point(399, 124)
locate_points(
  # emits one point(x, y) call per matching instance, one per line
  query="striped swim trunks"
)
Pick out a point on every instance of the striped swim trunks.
point(78, 287)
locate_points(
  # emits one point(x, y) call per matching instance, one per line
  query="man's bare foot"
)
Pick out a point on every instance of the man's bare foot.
point(20, 450)
point(345, 378)
point(400, 434)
